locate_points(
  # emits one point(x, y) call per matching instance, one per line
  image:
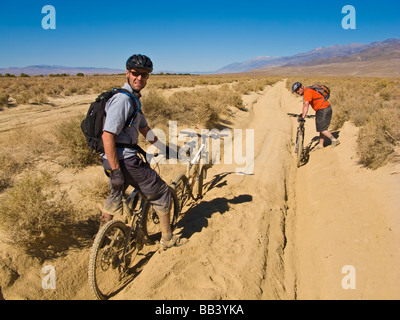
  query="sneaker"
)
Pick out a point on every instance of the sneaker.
point(335, 143)
point(318, 147)
point(175, 241)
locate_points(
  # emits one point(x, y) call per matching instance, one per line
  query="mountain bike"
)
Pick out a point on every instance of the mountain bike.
point(299, 147)
point(120, 241)
point(184, 183)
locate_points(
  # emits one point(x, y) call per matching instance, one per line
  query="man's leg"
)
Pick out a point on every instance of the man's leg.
point(322, 121)
point(330, 136)
point(325, 134)
point(145, 179)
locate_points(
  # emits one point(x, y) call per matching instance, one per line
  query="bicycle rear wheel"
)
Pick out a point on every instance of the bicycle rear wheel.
point(105, 262)
point(151, 222)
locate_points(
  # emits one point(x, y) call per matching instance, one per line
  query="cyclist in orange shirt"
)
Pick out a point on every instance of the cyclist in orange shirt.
point(323, 113)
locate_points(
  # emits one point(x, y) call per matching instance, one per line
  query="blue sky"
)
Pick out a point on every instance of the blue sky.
point(183, 36)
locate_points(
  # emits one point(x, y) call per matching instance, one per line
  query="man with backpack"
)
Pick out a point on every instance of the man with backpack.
point(123, 123)
point(317, 96)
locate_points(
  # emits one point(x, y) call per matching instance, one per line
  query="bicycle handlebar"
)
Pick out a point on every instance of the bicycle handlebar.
point(297, 115)
point(206, 135)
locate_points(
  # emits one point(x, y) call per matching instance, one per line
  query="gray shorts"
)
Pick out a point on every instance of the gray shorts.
point(139, 175)
point(323, 119)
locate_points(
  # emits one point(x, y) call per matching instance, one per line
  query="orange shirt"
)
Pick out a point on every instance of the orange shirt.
point(316, 100)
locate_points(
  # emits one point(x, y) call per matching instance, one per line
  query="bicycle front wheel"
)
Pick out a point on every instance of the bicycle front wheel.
point(106, 270)
point(300, 143)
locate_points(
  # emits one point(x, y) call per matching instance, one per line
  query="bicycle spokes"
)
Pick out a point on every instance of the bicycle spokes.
point(106, 267)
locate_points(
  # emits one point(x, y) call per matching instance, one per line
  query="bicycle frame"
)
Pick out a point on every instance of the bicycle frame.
point(195, 163)
point(195, 170)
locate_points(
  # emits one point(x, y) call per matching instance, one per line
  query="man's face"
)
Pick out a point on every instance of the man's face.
point(300, 91)
point(137, 78)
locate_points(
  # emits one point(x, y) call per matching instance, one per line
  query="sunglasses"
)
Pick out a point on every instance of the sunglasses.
point(136, 74)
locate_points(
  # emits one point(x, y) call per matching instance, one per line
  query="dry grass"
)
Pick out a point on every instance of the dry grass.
point(39, 89)
point(371, 104)
point(34, 213)
point(71, 144)
point(203, 107)
point(4, 97)
point(10, 166)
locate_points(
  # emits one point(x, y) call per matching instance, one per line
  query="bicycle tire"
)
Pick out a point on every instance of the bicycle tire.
point(200, 181)
point(175, 209)
point(299, 147)
point(151, 223)
point(105, 260)
point(182, 190)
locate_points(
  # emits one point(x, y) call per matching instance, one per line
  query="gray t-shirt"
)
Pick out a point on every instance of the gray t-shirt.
point(118, 109)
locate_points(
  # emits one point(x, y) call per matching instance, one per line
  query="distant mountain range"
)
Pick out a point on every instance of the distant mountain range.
point(45, 70)
point(379, 59)
point(354, 52)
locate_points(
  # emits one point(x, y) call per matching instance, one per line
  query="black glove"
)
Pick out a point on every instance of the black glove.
point(117, 179)
point(300, 118)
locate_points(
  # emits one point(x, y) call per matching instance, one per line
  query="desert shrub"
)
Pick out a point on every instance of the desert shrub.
point(378, 137)
point(33, 212)
point(201, 106)
point(96, 189)
point(155, 105)
point(40, 98)
point(22, 97)
point(72, 144)
point(253, 85)
point(4, 99)
point(10, 165)
point(69, 91)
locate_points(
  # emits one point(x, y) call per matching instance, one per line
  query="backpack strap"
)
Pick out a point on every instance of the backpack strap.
point(313, 88)
point(129, 121)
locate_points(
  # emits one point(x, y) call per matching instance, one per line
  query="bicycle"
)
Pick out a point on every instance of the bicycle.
point(183, 183)
point(299, 147)
point(118, 242)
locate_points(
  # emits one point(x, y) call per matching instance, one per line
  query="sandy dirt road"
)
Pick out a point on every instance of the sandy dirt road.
point(281, 232)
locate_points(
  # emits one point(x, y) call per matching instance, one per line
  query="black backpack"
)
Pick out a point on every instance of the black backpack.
point(92, 125)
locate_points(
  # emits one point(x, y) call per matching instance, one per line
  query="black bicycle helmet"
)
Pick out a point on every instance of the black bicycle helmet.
point(139, 61)
point(296, 86)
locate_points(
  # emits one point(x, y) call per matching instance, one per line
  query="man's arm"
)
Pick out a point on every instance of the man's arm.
point(110, 149)
point(306, 105)
point(152, 138)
